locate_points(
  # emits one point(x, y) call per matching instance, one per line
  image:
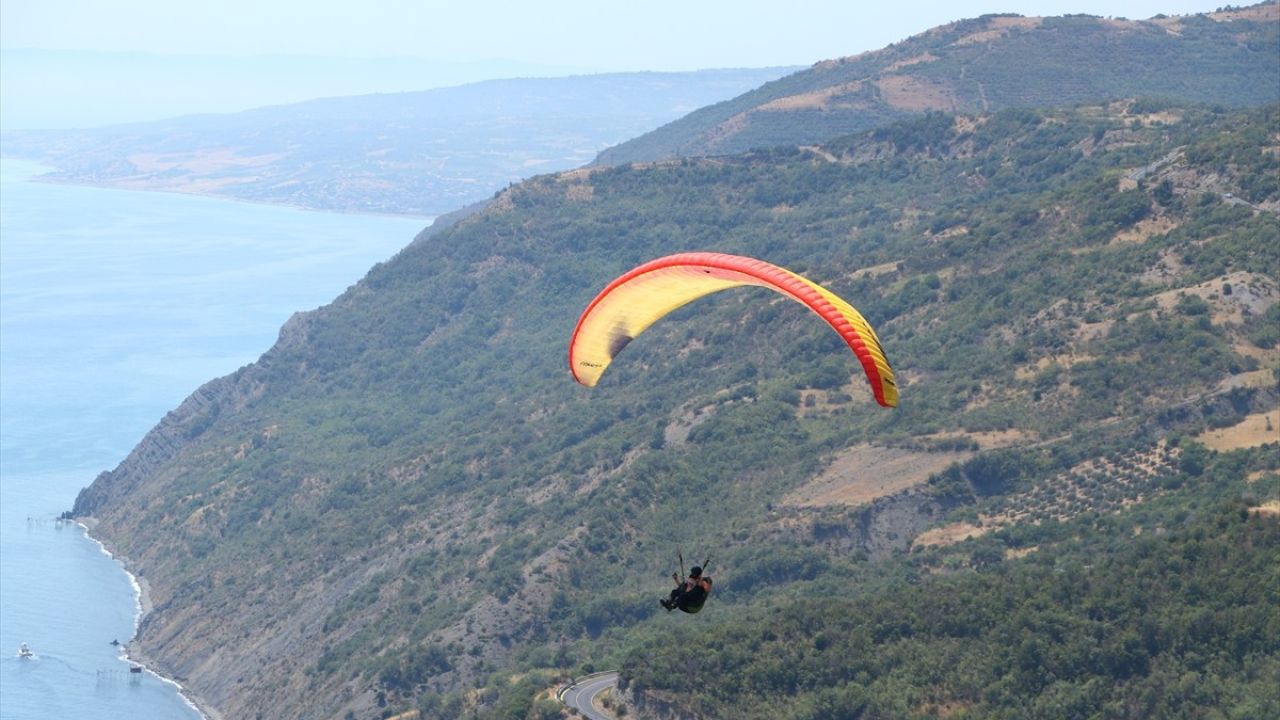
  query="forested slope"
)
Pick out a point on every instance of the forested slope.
point(403, 499)
point(1174, 615)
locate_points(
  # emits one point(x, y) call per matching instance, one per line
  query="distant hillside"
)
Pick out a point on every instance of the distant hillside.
point(407, 504)
point(423, 153)
point(59, 89)
point(992, 62)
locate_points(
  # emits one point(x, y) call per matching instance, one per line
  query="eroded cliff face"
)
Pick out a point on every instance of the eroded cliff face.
point(246, 634)
point(213, 644)
point(650, 704)
point(159, 447)
point(221, 398)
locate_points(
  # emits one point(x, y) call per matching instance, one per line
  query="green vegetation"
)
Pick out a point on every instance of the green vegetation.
point(415, 459)
point(1170, 627)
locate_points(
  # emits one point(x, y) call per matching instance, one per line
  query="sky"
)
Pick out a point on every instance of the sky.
point(609, 34)
point(415, 44)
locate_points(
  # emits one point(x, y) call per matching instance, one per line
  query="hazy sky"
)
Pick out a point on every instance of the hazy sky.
point(603, 35)
point(83, 63)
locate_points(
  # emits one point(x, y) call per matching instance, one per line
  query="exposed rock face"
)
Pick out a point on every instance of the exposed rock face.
point(159, 447)
point(650, 705)
point(178, 638)
point(877, 529)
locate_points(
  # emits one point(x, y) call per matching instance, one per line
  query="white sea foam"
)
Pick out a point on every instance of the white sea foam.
point(140, 608)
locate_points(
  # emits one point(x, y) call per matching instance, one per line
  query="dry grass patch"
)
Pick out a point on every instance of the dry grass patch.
point(1266, 356)
point(1257, 475)
point(1088, 332)
point(1144, 229)
point(951, 232)
point(677, 431)
point(999, 27)
point(580, 192)
point(948, 535)
point(820, 152)
point(834, 63)
point(1270, 508)
point(1161, 118)
point(999, 438)
point(727, 129)
point(1171, 25)
point(822, 99)
point(925, 58)
point(1265, 12)
point(577, 175)
point(1165, 270)
point(1254, 430)
point(866, 472)
point(1249, 292)
point(911, 93)
point(988, 440)
point(875, 270)
point(1028, 372)
point(1259, 379)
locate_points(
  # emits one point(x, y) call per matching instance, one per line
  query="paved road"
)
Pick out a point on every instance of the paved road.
point(582, 695)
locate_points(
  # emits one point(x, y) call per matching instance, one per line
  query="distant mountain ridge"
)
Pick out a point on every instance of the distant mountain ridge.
point(48, 89)
point(985, 64)
point(415, 153)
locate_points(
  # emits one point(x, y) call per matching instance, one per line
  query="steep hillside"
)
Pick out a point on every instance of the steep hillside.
point(408, 498)
point(1176, 620)
point(411, 153)
point(985, 64)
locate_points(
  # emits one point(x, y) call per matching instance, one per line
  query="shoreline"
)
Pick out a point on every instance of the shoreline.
point(131, 651)
point(121, 184)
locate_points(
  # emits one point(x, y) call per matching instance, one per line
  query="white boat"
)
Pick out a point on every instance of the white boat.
point(24, 651)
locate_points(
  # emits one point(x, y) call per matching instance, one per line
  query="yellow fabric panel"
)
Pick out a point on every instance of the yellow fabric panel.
point(639, 298)
point(632, 307)
point(868, 335)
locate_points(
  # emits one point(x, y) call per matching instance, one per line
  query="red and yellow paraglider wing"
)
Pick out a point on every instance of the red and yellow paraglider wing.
point(639, 298)
point(633, 302)
point(860, 338)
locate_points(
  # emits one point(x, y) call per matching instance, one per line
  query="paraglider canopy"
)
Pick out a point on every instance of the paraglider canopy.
point(643, 295)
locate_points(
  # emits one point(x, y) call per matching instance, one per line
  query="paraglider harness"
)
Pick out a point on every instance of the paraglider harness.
point(688, 599)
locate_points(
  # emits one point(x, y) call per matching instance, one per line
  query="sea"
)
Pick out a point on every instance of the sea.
point(114, 306)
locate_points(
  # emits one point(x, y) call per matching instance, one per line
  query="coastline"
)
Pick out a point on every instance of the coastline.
point(58, 454)
point(124, 184)
point(132, 652)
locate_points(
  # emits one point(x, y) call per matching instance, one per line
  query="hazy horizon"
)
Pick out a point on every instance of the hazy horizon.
point(77, 63)
point(61, 89)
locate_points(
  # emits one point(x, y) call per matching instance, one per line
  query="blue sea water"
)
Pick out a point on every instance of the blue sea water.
point(114, 306)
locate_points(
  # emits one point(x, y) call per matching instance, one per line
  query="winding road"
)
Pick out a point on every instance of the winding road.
point(581, 695)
